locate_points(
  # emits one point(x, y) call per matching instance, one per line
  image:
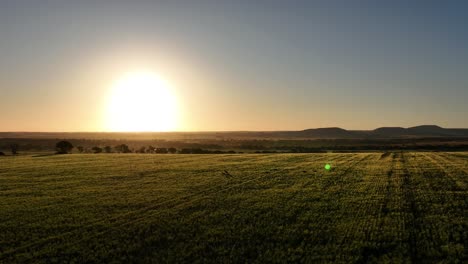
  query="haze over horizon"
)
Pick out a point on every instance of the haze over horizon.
point(232, 66)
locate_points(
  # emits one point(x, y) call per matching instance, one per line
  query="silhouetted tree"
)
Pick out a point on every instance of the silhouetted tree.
point(97, 150)
point(63, 147)
point(198, 151)
point(150, 149)
point(122, 148)
point(161, 150)
point(14, 148)
point(185, 151)
point(172, 150)
point(107, 149)
point(80, 149)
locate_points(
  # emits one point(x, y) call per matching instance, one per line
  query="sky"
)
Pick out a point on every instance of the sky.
point(237, 65)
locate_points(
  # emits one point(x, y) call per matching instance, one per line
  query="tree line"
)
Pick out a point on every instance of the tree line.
point(13, 148)
point(15, 145)
point(65, 147)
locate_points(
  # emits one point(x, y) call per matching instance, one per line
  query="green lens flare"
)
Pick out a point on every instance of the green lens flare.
point(328, 167)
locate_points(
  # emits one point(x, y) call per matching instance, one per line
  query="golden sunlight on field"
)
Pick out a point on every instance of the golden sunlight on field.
point(141, 101)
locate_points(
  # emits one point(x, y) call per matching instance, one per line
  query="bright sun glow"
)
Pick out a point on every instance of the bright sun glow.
point(141, 101)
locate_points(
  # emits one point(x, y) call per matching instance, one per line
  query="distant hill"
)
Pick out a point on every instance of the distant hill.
point(382, 132)
point(328, 132)
point(389, 131)
point(419, 131)
point(429, 130)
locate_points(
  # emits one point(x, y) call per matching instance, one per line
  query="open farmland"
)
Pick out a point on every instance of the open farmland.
point(396, 206)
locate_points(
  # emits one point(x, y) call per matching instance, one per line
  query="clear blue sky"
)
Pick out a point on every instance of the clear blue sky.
point(238, 65)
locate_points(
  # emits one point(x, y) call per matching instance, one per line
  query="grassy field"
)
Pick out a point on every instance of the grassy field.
point(370, 207)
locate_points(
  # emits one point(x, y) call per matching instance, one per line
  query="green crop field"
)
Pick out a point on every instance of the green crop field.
point(369, 207)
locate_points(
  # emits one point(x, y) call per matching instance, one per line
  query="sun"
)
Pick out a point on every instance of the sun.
point(141, 102)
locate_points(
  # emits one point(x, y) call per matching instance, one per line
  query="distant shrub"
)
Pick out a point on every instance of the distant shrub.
point(172, 150)
point(80, 149)
point(150, 149)
point(161, 150)
point(97, 150)
point(107, 149)
point(198, 151)
point(122, 148)
point(63, 147)
point(185, 151)
point(141, 150)
point(2, 154)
